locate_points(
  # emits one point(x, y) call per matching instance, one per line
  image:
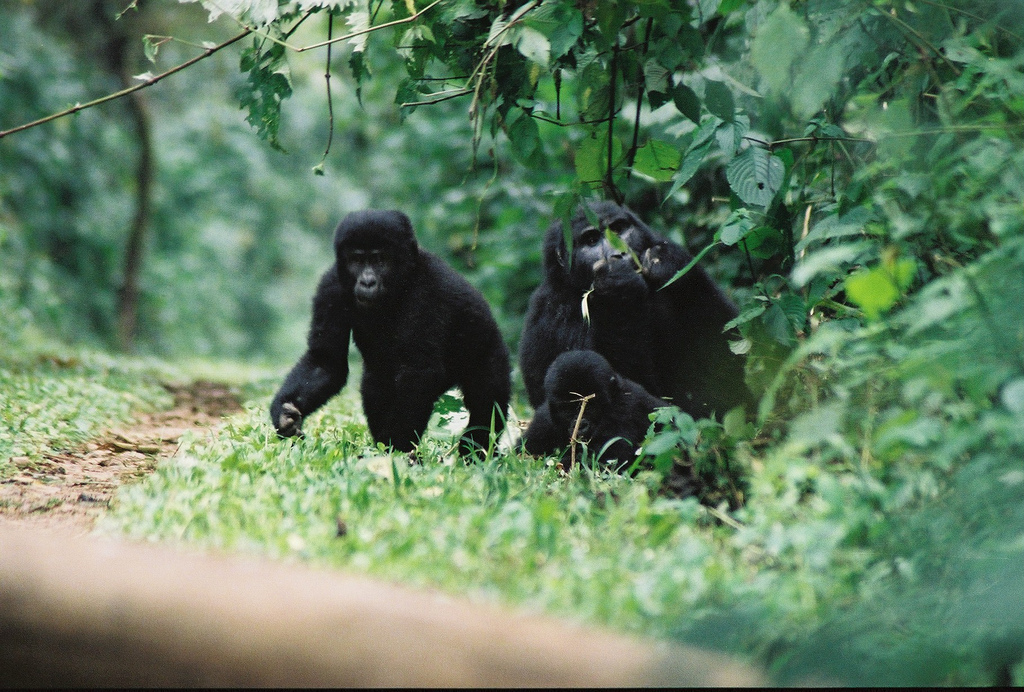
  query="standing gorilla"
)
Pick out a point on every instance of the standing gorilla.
point(420, 327)
point(617, 408)
point(669, 341)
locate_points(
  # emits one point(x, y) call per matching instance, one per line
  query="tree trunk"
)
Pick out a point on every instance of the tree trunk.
point(88, 612)
point(128, 294)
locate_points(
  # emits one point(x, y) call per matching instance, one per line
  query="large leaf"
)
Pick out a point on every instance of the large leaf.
point(719, 101)
point(876, 290)
point(821, 72)
point(657, 159)
point(592, 159)
point(690, 165)
point(687, 102)
point(560, 25)
point(755, 176)
point(533, 45)
point(780, 40)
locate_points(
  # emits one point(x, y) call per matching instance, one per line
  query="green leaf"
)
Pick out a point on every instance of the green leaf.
point(687, 102)
point(876, 290)
point(755, 176)
point(657, 159)
point(729, 6)
point(837, 226)
point(736, 227)
point(561, 25)
point(719, 101)
point(778, 325)
point(691, 164)
point(827, 260)
point(780, 40)
point(794, 308)
point(151, 46)
point(524, 136)
point(764, 242)
point(592, 159)
point(655, 76)
point(533, 45)
point(817, 81)
point(268, 85)
point(873, 291)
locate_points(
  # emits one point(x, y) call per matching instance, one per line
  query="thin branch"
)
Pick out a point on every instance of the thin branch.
point(438, 97)
point(609, 181)
point(327, 78)
point(723, 517)
point(573, 439)
point(641, 88)
point(130, 90)
point(385, 25)
point(771, 145)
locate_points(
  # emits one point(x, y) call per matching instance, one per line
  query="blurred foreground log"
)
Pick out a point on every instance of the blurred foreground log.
point(80, 612)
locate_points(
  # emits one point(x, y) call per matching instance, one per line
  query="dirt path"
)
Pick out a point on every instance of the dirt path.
point(69, 491)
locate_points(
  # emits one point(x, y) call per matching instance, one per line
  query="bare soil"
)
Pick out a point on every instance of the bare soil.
point(69, 491)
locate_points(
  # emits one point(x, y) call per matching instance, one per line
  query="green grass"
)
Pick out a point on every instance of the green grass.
point(55, 400)
point(589, 544)
point(865, 569)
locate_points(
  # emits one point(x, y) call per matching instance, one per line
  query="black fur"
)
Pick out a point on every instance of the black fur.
point(420, 327)
point(620, 408)
point(669, 341)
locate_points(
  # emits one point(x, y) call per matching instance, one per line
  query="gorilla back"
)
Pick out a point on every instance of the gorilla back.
point(420, 327)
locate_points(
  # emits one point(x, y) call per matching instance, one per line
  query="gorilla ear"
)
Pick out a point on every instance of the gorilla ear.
point(563, 247)
point(613, 383)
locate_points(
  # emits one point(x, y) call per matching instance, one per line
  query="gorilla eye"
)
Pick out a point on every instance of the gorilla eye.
point(589, 237)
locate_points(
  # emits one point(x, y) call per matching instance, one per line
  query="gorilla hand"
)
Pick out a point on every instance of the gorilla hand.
point(617, 276)
point(660, 263)
point(289, 423)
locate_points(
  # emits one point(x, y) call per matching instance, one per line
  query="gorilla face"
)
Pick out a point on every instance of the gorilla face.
point(578, 375)
point(375, 249)
point(372, 271)
point(591, 250)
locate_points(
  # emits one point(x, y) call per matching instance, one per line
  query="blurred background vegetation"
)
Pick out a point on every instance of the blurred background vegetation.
point(855, 171)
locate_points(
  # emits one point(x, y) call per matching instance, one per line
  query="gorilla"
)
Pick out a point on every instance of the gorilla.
point(669, 340)
point(419, 326)
point(619, 408)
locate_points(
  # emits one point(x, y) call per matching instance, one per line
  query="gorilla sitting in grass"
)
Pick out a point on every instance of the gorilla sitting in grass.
point(587, 402)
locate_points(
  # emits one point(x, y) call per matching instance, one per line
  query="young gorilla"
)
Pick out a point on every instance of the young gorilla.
point(620, 408)
point(420, 327)
point(669, 341)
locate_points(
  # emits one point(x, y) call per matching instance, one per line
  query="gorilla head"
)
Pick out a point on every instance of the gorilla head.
point(376, 250)
point(577, 378)
point(613, 412)
point(591, 249)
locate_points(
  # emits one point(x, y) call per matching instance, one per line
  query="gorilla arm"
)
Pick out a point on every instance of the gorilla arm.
point(543, 437)
point(691, 317)
point(620, 319)
point(323, 369)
